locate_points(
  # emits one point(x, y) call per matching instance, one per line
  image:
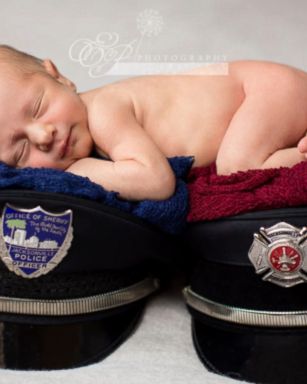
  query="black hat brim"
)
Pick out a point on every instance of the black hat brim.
point(66, 344)
point(254, 354)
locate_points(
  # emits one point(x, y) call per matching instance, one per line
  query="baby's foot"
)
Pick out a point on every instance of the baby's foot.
point(302, 145)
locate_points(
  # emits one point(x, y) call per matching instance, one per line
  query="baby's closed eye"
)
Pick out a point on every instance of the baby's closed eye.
point(21, 153)
point(38, 107)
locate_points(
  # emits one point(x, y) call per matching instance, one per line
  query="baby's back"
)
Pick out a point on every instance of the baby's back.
point(189, 114)
point(186, 114)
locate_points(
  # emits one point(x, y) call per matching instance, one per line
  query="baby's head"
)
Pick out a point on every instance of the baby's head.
point(43, 121)
point(20, 62)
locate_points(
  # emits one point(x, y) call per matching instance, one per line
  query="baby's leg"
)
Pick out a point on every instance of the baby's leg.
point(284, 158)
point(261, 133)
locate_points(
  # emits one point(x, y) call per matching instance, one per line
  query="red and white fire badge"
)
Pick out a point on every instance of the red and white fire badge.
point(280, 252)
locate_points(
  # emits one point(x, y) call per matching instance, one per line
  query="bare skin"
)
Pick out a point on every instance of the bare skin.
point(251, 118)
point(302, 146)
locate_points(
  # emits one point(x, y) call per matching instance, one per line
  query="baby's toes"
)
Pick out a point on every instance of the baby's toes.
point(302, 145)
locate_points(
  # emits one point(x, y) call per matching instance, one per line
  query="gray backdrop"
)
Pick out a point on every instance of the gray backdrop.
point(231, 29)
point(215, 30)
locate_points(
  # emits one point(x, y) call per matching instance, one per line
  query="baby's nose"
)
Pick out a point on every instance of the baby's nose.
point(42, 135)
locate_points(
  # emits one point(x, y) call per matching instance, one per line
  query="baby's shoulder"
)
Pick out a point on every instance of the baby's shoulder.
point(109, 101)
point(114, 94)
point(109, 106)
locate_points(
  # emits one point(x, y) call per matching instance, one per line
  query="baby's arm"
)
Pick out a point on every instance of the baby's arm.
point(139, 170)
point(133, 180)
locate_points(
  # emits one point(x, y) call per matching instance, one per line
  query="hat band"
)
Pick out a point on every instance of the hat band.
point(244, 316)
point(82, 305)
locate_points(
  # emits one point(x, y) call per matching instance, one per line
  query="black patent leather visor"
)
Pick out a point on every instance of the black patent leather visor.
point(264, 347)
point(61, 334)
point(264, 356)
point(268, 347)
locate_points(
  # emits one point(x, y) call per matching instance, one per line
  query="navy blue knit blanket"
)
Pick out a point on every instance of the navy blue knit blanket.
point(169, 215)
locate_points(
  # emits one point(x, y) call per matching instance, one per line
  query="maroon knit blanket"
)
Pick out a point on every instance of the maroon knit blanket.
point(213, 196)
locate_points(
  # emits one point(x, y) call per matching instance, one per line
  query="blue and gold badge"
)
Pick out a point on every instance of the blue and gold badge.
point(34, 241)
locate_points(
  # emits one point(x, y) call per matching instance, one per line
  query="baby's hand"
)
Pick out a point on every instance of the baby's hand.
point(302, 145)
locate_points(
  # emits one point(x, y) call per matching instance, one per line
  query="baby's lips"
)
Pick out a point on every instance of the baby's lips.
point(64, 145)
point(62, 149)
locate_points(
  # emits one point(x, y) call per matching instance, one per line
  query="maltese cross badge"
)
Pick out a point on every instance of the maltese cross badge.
point(280, 252)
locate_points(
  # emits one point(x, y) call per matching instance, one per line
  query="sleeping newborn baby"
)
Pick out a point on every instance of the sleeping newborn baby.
point(253, 117)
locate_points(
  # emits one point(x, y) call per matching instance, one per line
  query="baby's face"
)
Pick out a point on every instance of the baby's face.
point(43, 123)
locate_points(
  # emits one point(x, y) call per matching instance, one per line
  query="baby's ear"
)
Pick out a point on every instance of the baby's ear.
point(51, 68)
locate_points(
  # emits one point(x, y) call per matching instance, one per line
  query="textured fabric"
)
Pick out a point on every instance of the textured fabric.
point(213, 196)
point(169, 215)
